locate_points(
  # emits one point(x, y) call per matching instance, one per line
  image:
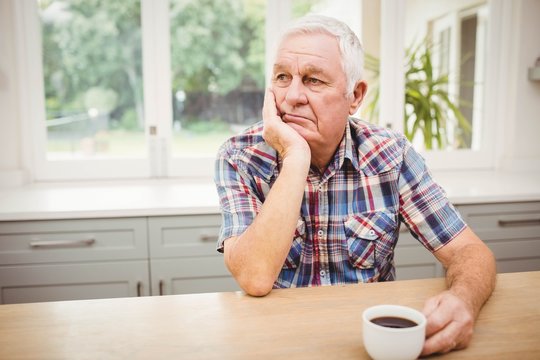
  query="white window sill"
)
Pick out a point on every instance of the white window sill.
point(174, 197)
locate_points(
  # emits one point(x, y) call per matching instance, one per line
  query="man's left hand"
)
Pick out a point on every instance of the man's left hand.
point(450, 323)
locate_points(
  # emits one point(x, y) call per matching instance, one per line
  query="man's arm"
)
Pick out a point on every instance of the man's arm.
point(470, 277)
point(256, 257)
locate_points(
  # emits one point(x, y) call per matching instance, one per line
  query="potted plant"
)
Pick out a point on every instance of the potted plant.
point(429, 109)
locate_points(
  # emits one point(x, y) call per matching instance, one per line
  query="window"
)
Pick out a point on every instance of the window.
point(151, 88)
point(92, 69)
point(445, 84)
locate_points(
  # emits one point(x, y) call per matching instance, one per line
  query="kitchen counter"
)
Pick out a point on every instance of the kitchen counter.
point(173, 197)
point(233, 325)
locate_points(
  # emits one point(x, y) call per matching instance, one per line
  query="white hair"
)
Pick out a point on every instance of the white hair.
point(350, 47)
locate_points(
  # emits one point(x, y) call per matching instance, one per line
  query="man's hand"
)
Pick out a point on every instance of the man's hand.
point(278, 134)
point(470, 278)
point(450, 324)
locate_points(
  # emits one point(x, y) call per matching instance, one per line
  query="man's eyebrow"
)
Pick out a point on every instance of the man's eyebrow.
point(307, 69)
point(279, 67)
point(313, 69)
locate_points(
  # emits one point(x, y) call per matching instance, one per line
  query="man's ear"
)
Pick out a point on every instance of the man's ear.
point(358, 95)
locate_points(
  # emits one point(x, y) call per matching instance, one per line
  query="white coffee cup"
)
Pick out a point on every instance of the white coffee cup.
point(390, 343)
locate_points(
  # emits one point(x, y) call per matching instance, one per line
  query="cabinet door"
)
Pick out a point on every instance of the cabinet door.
point(191, 275)
point(510, 230)
point(55, 282)
point(183, 236)
point(413, 260)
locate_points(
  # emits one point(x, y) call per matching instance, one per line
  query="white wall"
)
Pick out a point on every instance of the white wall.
point(10, 122)
point(523, 148)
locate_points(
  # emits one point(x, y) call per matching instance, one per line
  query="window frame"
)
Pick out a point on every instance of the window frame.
point(485, 156)
point(158, 107)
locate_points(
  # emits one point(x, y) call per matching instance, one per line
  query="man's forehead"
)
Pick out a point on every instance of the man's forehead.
point(307, 67)
point(312, 46)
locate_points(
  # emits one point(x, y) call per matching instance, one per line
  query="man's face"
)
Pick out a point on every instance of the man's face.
point(310, 88)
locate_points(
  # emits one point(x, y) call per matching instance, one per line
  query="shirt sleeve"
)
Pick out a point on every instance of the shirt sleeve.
point(424, 206)
point(237, 197)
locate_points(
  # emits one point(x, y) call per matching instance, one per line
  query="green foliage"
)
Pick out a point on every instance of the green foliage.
point(216, 47)
point(129, 121)
point(429, 109)
point(99, 98)
point(201, 126)
point(92, 44)
point(206, 38)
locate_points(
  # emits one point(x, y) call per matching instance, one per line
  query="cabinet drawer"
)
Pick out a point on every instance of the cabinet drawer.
point(25, 242)
point(503, 221)
point(183, 236)
point(58, 282)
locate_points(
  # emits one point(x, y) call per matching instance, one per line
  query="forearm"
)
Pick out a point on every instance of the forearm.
point(471, 274)
point(256, 257)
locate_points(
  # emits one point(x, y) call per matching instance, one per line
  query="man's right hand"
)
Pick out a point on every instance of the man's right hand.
point(280, 136)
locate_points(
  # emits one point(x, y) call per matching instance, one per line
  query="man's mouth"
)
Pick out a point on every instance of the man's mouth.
point(293, 118)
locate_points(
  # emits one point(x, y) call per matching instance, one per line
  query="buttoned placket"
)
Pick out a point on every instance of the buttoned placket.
point(322, 234)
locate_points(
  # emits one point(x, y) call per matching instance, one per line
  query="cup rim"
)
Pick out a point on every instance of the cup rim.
point(367, 317)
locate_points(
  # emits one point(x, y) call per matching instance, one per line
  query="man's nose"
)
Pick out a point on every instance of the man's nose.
point(296, 93)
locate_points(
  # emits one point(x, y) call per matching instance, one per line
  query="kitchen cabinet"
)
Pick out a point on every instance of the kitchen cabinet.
point(70, 259)
point(510, 230)
point(73, 259)
point(116, 257)
point(183, 255)
point(412, 260)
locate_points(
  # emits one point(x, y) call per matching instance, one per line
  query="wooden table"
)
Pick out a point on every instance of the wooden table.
point(308, 323)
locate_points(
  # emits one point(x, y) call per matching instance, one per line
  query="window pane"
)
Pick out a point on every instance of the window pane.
point(361, 17)
point(217, 59)
point(93, 78)
point(445, 47)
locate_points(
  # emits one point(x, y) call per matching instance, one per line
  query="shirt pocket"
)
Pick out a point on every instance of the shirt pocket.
point(293, 258)
point(363, 231)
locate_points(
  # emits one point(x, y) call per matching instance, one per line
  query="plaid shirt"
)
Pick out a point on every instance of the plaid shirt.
point(350, 215)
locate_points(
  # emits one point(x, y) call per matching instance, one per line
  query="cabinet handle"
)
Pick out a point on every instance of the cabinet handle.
point(139, 288)
point(62, 243)
point(208, 238)
point(161, 285)
point(519, 222)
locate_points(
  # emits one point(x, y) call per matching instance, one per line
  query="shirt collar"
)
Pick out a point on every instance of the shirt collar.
point(345, 150)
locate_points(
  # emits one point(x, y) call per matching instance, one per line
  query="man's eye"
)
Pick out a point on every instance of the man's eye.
point(313, 81)
point(281, 77)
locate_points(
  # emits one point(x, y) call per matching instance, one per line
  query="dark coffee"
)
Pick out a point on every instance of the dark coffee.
point(393, 322)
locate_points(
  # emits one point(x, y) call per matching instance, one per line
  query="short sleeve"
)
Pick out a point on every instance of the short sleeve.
point(237, 197)
point(424, 206)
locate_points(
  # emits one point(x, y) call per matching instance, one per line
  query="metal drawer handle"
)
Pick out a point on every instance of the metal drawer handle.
point(208, 238)
point(161, 286)
point(62, 243)
point(519, 222)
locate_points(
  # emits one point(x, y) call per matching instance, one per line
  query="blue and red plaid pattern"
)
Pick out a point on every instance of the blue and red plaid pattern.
point(350, 215)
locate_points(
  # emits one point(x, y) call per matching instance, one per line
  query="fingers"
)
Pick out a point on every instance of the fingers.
point(445, 340)
point(437, 315)
point(270, 110)
point(430, 307)
point(449, 324)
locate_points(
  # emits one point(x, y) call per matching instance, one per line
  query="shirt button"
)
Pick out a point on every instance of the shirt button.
point(322, 273)
point(320, 233)
point(371, 232)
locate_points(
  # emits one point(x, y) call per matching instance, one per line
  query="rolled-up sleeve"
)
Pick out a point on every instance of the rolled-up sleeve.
point(424, 206)
point(237, 197)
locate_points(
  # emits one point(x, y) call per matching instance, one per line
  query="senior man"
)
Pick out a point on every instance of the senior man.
point(311, 196)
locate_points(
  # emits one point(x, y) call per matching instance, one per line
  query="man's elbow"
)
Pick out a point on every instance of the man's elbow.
point(256, 285)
